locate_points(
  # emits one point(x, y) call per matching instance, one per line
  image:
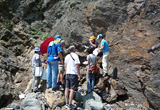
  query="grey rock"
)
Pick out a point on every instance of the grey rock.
point(15, 106)
point(92, 99)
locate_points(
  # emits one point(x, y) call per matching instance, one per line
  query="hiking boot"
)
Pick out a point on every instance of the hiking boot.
point(67, 106)
point(70, 106)
point(56, 88)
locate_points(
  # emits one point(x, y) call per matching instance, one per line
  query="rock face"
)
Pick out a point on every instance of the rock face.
point(131, 27)
point(152, 90)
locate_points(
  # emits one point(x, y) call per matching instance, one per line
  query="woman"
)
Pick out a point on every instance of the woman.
point(36, 62)
point(91, 60)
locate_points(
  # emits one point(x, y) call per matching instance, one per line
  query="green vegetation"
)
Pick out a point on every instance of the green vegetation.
point(44, 36)
point(59, 14)
point(33, 28)
point(8, 26)
point(35, 36)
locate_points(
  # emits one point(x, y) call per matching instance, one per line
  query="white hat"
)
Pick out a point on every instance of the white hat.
point(37, 49)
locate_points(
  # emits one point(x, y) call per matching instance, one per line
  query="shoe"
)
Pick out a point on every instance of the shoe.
point(89, 92)
point(56, 88)
point(72, 106)
point(67, 106)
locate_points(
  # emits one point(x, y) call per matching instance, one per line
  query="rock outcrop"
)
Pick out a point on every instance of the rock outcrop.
point(131, 27)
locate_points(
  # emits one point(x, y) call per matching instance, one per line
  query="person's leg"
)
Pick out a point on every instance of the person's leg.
point(54, 74)
point(66, 95)
point(61, 78)
point(33, 71)
point(36, 83)
point(93, 81)
point(88, 82)
point(49, 75)
point(67, 89)
point(105, 63)
point(71, 96)
point(58, 78)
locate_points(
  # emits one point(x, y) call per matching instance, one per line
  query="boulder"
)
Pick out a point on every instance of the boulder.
point(30, 102)
point(92, 101)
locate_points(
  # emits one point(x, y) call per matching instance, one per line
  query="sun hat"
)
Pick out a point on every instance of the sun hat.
point(57, 36)
point(37, 49)
point(99, 36)
point(92, 38)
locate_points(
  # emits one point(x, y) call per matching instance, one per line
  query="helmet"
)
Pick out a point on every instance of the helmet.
point(57, 36)
point(92, 38)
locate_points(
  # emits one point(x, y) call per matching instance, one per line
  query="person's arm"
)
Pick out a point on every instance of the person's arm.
point(77, 67)
point(94, 45)
point(102, 47)
point(61, 57)
point(65, 67)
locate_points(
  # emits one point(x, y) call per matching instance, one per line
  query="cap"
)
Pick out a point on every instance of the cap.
point(99, 36)
point(92, 38)
point(57, 36)
point(37, 49)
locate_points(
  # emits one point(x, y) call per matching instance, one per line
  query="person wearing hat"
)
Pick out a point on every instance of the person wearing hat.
point(54, 52)
point(93, 43)
point(36, 62)
point(105, 48)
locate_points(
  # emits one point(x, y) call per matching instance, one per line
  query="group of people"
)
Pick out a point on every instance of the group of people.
point(58, 64)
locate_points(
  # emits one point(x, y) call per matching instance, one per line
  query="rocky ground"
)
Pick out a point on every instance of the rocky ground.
point(131, 27)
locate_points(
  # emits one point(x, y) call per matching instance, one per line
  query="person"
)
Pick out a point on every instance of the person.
point(91, 60)
point(36, 62)
point(53, 54)
point(93, 43)
point(105, 48)
point(61, 67)
point(72, 75)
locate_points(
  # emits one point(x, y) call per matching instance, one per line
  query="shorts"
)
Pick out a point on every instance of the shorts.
point(61, 68)
point(71, 81)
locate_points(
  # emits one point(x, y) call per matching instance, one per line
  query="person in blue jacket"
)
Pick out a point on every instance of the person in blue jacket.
point(54, 52)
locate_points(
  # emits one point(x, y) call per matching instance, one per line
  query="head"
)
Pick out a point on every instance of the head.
point(37, 50)
point(57, 36)
point(62, 43)
point(89, 50)
point(72, 48)
point(92, 38)
point(99, 37)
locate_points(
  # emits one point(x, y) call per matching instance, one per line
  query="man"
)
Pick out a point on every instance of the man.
point(53, 54)
point(93, 43)
point(61, 68)
point(105, 48)
point(72, 75)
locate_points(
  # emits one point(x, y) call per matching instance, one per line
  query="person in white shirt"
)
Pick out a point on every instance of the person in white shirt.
point(36, 62)
point(72, 75)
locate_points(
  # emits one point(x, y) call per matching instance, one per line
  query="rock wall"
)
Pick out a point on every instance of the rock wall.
point(131, 27)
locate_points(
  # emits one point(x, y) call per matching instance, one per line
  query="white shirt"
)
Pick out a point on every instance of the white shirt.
point(35, 60)
point(71, 64)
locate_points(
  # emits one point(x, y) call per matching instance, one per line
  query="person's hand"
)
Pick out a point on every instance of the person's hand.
point(79, 78)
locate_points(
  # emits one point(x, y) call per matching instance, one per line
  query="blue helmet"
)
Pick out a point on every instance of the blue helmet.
point(57, 36)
